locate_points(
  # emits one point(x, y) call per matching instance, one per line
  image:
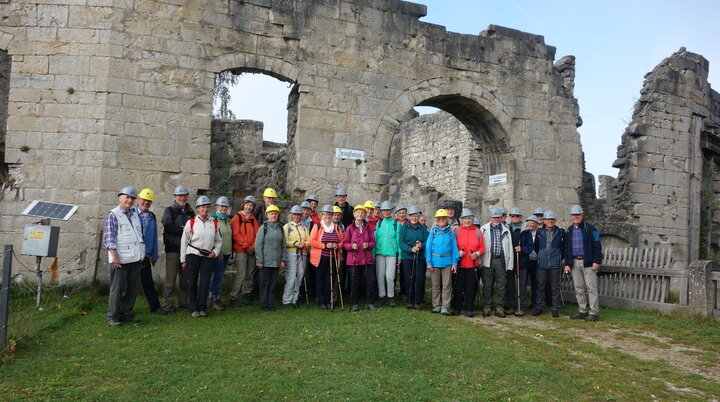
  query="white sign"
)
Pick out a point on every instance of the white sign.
point(497, 179)
point(351, 154)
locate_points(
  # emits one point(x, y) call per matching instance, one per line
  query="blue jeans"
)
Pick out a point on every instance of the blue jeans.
point(218, 272)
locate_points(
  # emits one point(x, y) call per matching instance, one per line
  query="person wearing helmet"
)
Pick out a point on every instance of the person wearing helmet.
point(376, 215)
point(412, 237)
point(269, 198)
point(174, 219)
point(338, 217)
point(470, 248)
point(550, 248)
point(326, 239)
point(497, 259)
point(539, 212)
point(313, 200)
point(150, 236)
point(123, 239)
point(449, 207)
point(345, 208)
point(307, 212)
point(386, 253)
point(296, 248)
point(515, 227)
point(244, 228)
point(270, 253)
point(528, 264)
point(359, 242)
point(370, 214)
point(401, 214)
point(441, 254)
point(584, 251)
point(199, 246)
point(222, 216)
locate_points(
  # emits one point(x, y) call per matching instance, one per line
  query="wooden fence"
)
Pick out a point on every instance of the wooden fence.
point(636, 278)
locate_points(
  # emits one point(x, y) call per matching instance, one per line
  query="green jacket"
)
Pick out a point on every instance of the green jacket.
point(225, 233)
point(270, 245)
point(386, 236)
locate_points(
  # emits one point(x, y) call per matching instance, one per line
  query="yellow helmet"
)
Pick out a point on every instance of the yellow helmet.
point(272, 208)
point(359, 208)
point(441, 213)
point(336, 209)
point(147, 194)
point(270, 193)
point(369, 205)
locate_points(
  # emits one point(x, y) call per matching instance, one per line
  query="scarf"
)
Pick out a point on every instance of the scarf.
point(328, 229)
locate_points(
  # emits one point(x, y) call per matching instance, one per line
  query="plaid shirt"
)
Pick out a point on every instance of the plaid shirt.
point(496, 240)
point(577, 243)
point(111, 227)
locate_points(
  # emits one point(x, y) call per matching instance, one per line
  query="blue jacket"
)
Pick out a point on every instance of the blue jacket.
point(550, 257)
point(150, 236)
point(441, 248)
point(408, 235)
point(527, 247)
point(592, 248)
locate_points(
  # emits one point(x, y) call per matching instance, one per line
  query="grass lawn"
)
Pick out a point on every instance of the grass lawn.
point(388, 354)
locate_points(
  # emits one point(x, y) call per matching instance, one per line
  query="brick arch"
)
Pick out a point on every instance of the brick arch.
point(274, 67)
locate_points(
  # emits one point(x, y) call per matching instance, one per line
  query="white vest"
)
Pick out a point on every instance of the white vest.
point(130, 243)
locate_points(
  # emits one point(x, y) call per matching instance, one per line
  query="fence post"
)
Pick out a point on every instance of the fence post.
point(5, 294)
point(700, 289)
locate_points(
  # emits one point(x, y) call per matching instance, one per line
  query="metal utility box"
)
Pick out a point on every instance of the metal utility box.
point(40, 240)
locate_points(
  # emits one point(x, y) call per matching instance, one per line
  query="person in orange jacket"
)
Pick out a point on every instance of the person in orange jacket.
point(244, 228)
point(326, 240)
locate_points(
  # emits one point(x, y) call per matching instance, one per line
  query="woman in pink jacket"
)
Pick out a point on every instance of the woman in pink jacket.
point(359, 242)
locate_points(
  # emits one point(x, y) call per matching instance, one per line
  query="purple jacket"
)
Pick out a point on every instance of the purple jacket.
point(354, 236)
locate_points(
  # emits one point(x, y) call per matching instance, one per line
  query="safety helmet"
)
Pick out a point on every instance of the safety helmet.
point(305, 204)
point(202, 200)
point(369, 205)
point(386, 206)
point(341, 191)
point(532, 218)
point(359, 208)
point(147, 194)
point(378, 203)
point(327, 208)
point(414, 209)
point(296, 209)
point(466, 212)
point(495, 212)
point(312, 197)
point(476, 221)
point(399, 208)
point(269, 193)
point(222, 201)
point(516, 211)
point(576, 210)
point(129, 191)
point(249, 198)
point(503, 211)
point(539, 211)
point(272, 208)
point(441, 213)
point(550, 215)
point(336, 209)
point(181, 190)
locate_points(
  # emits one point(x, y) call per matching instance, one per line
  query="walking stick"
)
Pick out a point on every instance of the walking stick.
point(337, 265)
point(297, 267)
point(517, 278)
point(411, 291)
point(332, 305)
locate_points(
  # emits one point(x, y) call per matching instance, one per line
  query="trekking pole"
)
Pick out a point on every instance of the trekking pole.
point(342, 305)
point(297, 268)
point(411, 291)
point(517, 278)
point(332, 305)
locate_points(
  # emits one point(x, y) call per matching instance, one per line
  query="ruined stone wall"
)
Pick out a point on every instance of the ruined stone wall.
point(659, 185)
point(4, 93)
point(106, 94)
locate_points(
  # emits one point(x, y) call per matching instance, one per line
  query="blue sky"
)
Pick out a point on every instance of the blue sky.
point(615, 44)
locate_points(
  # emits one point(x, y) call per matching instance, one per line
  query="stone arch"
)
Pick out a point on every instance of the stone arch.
point(274, 67)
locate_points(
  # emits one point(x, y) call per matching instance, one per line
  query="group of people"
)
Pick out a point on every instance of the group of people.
point(340, 249)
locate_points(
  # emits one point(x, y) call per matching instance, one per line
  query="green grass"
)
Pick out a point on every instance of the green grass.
point(389, 354)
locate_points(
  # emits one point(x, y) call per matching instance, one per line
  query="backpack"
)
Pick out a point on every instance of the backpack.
point(192, 225)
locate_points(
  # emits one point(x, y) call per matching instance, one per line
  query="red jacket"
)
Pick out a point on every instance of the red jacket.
point(469, 240)
point(354, 236)
point(243, 232)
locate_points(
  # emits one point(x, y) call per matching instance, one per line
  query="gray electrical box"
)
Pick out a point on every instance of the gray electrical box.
point(40, 240)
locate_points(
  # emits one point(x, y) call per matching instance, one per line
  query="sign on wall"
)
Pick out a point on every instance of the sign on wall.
point(351, 154)
point(497, 179)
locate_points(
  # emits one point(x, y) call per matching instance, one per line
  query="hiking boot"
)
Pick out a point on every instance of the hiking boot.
point(454, 312)
point(392, 302)
point(469, 314)
point(195, 314)
point(436, 310)
point(113, 322)
point(234, 303)
point(592, 318)
point(354, 308)
point(271, 307)
point(202, 313)
point(132, 319)
point(381, 301)
point(579, 316)
point(408, 306)
point(486, 312)
point(217, 305)
point(159, 312)
point(519, 313)
point(500, 312)
point(556, 314)
point(536, 313)
point(169, 310)
point(245, 300)
point(444, 312)
point(510, 311)
point(372, 307)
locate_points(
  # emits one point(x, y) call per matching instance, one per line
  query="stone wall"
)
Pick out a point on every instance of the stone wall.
point(4, 92)
point(106, 94)
point(665, 153)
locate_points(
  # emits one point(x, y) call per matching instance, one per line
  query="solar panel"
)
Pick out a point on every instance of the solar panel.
point(51, 210)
